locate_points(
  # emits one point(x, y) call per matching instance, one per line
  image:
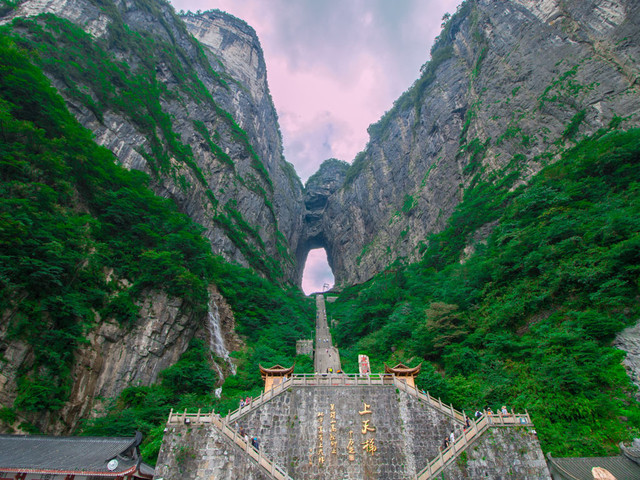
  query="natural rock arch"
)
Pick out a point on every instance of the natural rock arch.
point(320, 186)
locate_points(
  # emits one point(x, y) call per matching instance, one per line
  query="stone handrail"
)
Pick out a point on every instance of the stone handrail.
point(259, 400)
point(340, 379)
point(271, 469)
point(434, 402)
point(449, 455)
point(312, 380)
point(446, 457)
point(301, 380)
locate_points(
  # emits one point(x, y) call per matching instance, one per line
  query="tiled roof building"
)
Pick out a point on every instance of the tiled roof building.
point(27, 457)
point(621, 467)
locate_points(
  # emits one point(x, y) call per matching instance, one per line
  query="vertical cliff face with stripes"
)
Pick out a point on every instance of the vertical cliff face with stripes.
point(185, 100)
point(509, 86)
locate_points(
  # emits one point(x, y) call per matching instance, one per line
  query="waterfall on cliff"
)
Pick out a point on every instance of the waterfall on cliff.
point(216, 341)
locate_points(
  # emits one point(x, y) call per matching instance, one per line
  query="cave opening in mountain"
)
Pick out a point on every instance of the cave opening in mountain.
point(317, 275)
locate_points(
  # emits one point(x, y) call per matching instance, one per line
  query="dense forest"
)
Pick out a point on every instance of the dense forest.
point(528, 319)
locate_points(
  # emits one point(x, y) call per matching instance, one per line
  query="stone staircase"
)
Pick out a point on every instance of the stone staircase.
point(469, 435)
point(433, 468)
point(269, 468)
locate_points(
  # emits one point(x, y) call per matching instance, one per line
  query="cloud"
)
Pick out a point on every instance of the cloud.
point(345, 60)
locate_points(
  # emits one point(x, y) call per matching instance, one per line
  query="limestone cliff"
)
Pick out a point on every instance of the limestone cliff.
point(510, 84)
point(201, 123)
point(114, 358)
point(209, 138)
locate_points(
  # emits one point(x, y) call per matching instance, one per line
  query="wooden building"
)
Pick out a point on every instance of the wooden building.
point(274, 376)
point(408, 374)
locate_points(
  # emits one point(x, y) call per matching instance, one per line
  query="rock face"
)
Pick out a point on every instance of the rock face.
point(629, 341)
point(320, 186)
point(235, 44)
point(510, 84)
point(114, 358)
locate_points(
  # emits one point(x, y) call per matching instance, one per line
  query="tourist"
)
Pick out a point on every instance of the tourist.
point(504, 410)
point(241, 402)
point(446, 443)
point(452, 437)
point(478, 414)
point(256, 443)
point(467, 423)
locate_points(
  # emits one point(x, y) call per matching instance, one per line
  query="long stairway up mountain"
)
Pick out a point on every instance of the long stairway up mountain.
point(327, 357)
point(324, 426)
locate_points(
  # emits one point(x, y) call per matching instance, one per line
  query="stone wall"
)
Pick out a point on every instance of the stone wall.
point(295, 431)
point(304, 347)
point(289, 428)
point(502, 453)
point(203, 452)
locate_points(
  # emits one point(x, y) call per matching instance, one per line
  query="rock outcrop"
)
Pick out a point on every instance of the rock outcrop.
point(510, 84)
point(629, 341)
point(320, 186)
point(114, 357)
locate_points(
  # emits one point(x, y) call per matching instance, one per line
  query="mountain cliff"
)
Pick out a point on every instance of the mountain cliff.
point(509, 86)
point(107, 278)
point(199, 121)
point(197, 117)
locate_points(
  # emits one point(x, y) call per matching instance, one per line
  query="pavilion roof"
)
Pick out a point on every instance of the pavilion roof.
point(276, 371)
point(401, 369)
point(580, 468)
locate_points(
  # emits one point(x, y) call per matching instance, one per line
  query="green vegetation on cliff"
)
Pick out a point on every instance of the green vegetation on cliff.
point(69, 215)
point(528, 319)
point(82, 240)
point(142, 77)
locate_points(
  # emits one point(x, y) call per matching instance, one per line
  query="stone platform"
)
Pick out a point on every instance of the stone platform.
point(355, 431)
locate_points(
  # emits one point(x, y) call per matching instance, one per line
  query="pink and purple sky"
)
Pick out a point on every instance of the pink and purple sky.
point(334, 67)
